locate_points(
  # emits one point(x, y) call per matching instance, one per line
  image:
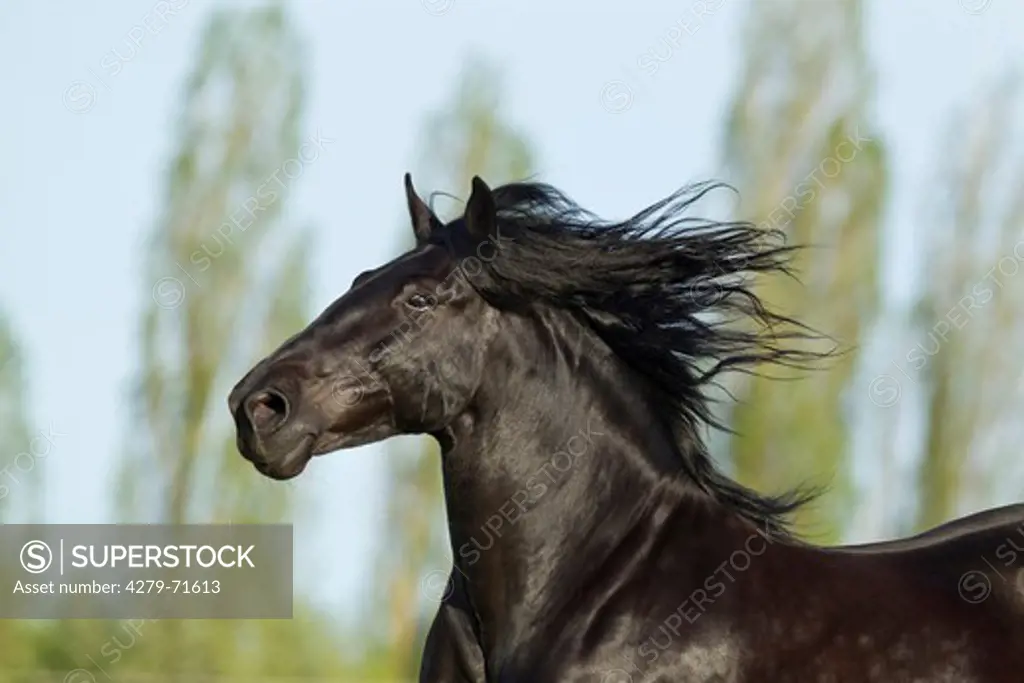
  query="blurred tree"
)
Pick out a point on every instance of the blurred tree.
point(224, 284)
point(19, 466)
point(467, 137)
point(973, 307)
point(805, 158)
point(19, 479)
point(210, 314)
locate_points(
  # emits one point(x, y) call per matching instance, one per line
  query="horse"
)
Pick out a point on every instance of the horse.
point(563, 362)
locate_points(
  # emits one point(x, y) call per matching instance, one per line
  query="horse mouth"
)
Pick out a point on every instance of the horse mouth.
point(291, 464)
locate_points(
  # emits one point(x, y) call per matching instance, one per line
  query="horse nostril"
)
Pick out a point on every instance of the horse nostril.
point(267, 410)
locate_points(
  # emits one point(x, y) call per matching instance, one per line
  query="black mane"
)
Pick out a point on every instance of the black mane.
point(671, 294)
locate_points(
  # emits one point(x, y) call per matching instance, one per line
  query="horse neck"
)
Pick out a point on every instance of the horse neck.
point(548, 472)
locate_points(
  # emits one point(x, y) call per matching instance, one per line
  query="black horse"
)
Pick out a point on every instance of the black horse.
point(563, 362)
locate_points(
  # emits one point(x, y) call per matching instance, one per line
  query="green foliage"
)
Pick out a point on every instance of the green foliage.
point(806, 160)
point(209, 315)
point(469, 137)
point(20, 482)
point(970, 329)
point(225, 191)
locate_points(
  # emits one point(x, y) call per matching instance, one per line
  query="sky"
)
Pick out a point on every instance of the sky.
point(87, 152)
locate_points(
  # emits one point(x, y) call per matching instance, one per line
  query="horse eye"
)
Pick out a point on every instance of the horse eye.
point(418, 301)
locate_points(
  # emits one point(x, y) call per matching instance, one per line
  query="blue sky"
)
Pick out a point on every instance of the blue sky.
point(81, 188)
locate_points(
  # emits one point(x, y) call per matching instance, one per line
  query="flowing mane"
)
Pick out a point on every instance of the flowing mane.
point(672, 295)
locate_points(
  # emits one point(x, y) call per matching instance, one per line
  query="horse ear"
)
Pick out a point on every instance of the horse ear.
point(481, 216)
point(423, 219)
